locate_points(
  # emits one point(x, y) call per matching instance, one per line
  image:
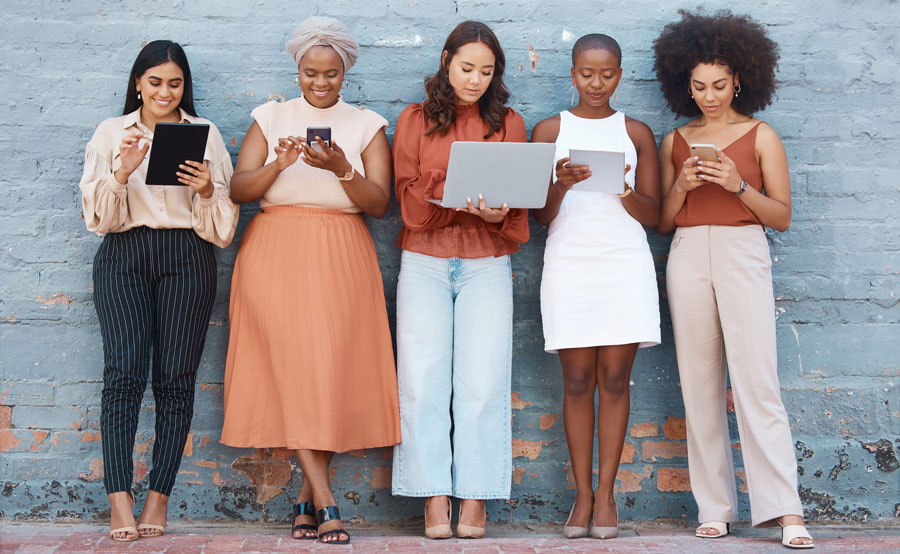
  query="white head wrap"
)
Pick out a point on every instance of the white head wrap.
point(324, 31)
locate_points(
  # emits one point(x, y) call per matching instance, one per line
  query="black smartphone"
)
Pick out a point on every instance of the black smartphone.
point(323, 133)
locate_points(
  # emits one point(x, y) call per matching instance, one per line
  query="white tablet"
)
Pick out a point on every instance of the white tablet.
point(513, 173)
point(607, 170)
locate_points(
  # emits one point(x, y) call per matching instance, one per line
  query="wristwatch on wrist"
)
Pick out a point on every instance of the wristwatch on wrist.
point(742, 189)
point(347, 176)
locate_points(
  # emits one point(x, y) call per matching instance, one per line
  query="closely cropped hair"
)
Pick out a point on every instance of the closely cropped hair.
point(440, 100)
point(153, 54)
point(595, 41)
point(723, 38)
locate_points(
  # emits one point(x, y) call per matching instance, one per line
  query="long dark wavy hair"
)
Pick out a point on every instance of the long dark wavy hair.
point(157, 53)
point(735, 41)
point(440, 100)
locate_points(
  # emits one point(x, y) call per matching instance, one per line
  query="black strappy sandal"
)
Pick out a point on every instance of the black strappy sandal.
point(303, 509)
point(326, 514)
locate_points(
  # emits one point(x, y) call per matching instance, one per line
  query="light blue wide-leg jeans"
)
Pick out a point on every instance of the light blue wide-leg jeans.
point(454, 359)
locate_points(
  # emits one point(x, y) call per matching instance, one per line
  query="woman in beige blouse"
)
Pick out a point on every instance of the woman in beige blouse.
point(154, 277)
point(310, 364)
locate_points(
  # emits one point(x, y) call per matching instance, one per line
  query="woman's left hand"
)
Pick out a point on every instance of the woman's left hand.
point(491, 215)
point(723, 172)
point(196, 175)
point(328, 158)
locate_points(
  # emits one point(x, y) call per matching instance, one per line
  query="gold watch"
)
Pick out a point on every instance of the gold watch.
point(347, 176)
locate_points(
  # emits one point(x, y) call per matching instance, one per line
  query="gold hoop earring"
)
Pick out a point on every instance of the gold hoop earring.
point(737, 90)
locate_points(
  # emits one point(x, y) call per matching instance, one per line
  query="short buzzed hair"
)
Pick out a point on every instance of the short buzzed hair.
point(596, 41)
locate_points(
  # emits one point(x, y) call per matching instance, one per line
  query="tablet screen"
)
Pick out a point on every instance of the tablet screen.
point(173, 144)
point(607, 170)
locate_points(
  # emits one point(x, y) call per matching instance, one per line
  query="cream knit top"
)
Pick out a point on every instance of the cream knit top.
point(300, 184)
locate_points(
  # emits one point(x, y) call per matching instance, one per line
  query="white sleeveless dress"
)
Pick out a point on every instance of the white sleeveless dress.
point(599, 284)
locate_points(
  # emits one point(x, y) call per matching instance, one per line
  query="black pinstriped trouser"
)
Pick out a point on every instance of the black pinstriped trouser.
point(153, 291)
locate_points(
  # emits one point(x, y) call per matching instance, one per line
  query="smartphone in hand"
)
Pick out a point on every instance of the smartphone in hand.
point(323, 133)
point(705, 152)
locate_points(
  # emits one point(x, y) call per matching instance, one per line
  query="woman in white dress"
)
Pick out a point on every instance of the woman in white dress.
point(599, 297)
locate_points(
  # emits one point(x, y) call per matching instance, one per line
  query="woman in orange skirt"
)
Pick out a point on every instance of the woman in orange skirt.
point(310, 364)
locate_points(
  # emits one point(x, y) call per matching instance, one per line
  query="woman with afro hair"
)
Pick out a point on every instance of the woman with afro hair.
point(721, 70)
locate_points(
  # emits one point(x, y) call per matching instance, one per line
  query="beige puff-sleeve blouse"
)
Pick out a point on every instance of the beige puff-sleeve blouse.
point(111, 207)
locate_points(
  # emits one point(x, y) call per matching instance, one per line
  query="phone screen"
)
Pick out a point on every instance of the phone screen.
point(323, 133)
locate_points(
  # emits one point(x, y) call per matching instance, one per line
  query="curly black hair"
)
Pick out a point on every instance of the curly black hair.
point(722, 38)
point(440, 100)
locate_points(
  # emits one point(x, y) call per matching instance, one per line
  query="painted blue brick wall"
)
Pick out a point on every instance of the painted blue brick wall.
point(63, 67)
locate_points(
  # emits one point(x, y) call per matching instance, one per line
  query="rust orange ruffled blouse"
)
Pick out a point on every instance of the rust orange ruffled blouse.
point(420, 169)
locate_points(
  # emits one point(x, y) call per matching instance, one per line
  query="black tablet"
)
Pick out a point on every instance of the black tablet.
point(173, 144)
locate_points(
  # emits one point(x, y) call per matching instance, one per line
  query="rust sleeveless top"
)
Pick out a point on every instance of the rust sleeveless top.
point(711, 204)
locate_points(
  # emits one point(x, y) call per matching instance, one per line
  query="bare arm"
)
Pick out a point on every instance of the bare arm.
point(675, 182)
point(643, 203)
point(252, 176)
point(772, 209)
point(566, 175)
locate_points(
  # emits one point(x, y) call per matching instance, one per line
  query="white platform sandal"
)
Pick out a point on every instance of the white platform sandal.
point(719, 526)
point(791, 532)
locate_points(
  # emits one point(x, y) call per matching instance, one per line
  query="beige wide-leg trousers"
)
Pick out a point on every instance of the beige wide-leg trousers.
point(723, 310)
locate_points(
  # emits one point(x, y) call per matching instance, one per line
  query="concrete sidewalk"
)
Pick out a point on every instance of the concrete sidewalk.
point(201, 537)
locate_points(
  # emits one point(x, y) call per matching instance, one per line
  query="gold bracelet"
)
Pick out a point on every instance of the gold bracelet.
point(628, 190)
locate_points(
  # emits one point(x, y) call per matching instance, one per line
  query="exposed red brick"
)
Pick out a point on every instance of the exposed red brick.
point(39, 436)
point(206, 463)
point(281, 453)
point(140, 470)
point(736, 445)
point(570, 478)
point(385, 453)
point(217, 479)
point(269, 475)
point(142, 447)
point(630, 481)
point(189, 445)
point(627, 454)
point(528, 449)
point(517, 402)
point(6, 417)
point(381, 477)
point(8, 440)
point(547, 421)
point(58, 298)
point(729, 401)
point(653, 450)
point(357, 453)
point(518, 473)
point(96, 471)
point(675, 428)
point(88, 436)
point(644, 430)
point(204, 440)
point(673, 479)
point(742, 475)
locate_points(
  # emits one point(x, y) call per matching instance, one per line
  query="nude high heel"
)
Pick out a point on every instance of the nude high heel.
point(606, 532)
point(464, 531)
point(573, 531)
point(441, 530)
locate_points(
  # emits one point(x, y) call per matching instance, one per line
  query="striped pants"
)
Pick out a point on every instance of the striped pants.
point(153, 291)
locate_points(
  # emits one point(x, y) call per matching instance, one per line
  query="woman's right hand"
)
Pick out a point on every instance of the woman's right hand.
point(689, 178)
point(287, 151)
point(131, 155)
point(567, 175)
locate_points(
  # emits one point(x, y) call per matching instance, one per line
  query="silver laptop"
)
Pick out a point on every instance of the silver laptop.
point(515, 173)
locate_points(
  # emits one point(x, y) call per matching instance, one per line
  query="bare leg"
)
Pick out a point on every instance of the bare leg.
point(472, 513)
point(155, 512)
point(121, 513)
point(305, 495)
point(580, 377)
point(613, 378)
point(315, 471)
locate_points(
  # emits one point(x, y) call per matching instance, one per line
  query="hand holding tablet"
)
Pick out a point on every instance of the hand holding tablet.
point(173, 145)
point(607, 170)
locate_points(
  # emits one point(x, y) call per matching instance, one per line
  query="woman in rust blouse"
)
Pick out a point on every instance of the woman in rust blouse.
point(454, 296)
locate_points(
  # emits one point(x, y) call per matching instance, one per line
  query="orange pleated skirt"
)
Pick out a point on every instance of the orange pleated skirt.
point(310, 362)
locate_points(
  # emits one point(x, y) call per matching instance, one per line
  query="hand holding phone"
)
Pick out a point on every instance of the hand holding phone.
point(705, 152)
point(323, 133)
